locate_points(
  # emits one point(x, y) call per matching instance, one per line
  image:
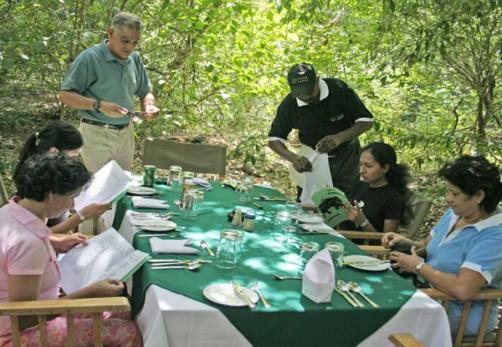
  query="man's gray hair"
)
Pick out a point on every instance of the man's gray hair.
point(126, 19)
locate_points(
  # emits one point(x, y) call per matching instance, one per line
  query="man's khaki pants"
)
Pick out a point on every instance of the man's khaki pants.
point(103, 144)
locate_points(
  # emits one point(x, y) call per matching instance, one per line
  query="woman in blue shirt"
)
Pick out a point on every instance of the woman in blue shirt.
point(464, 250)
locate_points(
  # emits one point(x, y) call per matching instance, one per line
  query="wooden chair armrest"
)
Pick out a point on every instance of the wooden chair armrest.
point(404, 340)
point(375, 250)
point(368, 235)
point(62, 306)
point(485, 294)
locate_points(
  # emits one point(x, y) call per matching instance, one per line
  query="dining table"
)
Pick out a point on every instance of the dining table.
point(171, 309)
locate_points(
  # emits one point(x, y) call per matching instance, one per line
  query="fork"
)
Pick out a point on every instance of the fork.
point(256, 287)
point(204, 244)
point(344, 287)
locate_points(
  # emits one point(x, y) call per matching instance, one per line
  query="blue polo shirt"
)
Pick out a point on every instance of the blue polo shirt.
point(98, 74)
point(477, 247)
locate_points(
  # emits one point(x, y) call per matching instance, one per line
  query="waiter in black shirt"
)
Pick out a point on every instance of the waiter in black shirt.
point(329, 116)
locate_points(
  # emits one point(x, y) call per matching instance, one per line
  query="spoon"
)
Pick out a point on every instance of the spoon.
point(204, 244)
point(284, 277)
point(344, 287)
point(194, 266)
point(256, 287)
point(356, 289)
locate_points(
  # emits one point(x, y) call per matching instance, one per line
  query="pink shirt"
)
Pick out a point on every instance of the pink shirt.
point(25, 249)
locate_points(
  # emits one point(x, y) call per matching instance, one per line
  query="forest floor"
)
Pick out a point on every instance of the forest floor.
point(16, 125)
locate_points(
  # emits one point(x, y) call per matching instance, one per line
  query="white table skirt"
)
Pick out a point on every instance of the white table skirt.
point(170, 319)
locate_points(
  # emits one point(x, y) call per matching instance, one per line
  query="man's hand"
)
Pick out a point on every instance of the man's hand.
point(112, 110)
point(151, 111)
point(329, 143)
point(301, 164)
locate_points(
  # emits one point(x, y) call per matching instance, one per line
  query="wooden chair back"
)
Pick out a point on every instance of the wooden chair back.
point(68, 308)
point(199, 158)
point(4, 196)
point(416, 209)
point(404, 340)
point(484, 337)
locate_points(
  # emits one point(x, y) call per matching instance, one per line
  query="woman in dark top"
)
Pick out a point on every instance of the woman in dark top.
point(379, 197)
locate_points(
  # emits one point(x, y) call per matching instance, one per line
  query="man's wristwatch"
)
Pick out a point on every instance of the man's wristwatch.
point(419, 267)
point(363, 224)
point(97, 105)
point(80, 216)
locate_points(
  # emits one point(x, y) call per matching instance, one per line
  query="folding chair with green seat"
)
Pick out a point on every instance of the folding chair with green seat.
point(199, 158)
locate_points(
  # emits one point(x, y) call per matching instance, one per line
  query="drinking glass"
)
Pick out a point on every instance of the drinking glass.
point(307, 251)
point(244, 188)
point(227, 253)
point(282, 220)
point(175, 174)
point(336, 250)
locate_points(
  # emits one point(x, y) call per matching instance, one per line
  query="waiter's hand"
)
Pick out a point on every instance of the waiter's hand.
point(112, 110)
point(151, 111)
point(329, 143)
point(301, 164)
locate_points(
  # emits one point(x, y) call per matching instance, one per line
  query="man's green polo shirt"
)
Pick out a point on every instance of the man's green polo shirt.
point(97, 73)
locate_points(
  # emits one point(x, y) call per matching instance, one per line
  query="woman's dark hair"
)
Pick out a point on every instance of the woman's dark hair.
point(397, 175)
point(46, 173)
point(472, 174)
point(58, 134)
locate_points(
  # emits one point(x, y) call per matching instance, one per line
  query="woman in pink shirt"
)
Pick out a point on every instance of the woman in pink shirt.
point(47, 185)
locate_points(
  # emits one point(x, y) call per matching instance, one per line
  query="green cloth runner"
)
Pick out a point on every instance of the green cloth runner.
point(293, 320)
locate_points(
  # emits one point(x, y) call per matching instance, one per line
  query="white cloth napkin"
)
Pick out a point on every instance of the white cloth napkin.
point(141, 202)
point(321, 228)
point(202, 182)
point(171, 246)
point(319, 277)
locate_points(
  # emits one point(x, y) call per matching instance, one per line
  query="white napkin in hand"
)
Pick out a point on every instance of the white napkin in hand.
point(319, 277)
point(141, 202)
point(171, 246)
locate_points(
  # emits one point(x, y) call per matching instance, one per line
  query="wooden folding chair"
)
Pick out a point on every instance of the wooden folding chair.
point(404, 340)
point(69, 308)
point(199, 158)
point(484, 337)
point(4, 196)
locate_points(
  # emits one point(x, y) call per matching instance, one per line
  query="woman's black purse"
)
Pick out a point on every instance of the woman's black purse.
point(406, 249)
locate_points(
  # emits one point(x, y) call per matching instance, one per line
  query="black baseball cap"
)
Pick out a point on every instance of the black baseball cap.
point(302, 79)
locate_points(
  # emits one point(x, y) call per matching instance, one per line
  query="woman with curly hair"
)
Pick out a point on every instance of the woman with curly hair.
point(47, 185)
point(464, 250)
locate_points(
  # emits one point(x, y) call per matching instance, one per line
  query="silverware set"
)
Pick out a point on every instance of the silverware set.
point(187, 264)
point(348, 291)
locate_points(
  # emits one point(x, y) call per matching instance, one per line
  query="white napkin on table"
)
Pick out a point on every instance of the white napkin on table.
point(202, 182)
point(171, 246)
point(321, 228)
point(141, 202)
point(319, 277)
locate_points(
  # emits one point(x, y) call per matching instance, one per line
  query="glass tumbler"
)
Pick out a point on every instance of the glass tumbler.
point(336, 250)
point(282, 220)
point(228, 249)
point(307, 251)
point(175, 174)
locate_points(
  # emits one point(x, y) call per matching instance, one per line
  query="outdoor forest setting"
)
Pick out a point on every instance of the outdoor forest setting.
point(424, 78)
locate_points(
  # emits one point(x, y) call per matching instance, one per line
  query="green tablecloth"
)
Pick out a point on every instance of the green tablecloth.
point(293, 320)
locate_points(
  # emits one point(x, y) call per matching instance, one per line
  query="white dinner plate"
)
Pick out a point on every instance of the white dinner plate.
point(223, 294)
point(155, 225)
point(139, 190)
point(363, 262)
point(310, 219)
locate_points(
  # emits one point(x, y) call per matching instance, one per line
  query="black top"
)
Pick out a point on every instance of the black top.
point(335, 113)
point(379, 204)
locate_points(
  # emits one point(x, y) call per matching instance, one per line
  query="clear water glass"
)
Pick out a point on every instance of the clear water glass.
point(336, 250)
point(175, 174)
point(307, 251)
point(281, 221)
point(228, 249)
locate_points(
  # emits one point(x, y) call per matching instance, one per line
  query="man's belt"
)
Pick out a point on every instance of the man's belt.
point(104, 125)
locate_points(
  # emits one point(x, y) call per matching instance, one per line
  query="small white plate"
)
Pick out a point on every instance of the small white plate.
point(363, 262)
point(155, 225)
point(139, 190)
point(310, 219)
point(223, 294)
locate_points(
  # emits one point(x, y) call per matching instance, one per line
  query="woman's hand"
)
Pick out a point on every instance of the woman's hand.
point(355, 213)
point(390, 239)
point(94, 210)
point(106, 288)
point(404, 262)
point(62, 243)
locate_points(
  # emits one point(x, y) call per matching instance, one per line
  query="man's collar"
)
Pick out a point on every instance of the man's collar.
point(109, 56)
point(324, 92)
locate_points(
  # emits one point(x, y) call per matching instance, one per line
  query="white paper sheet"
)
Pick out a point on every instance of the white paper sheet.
point(108, 184)
point(107, 255)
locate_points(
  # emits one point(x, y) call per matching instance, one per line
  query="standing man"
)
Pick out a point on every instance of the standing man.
point(329, 116)
point(103, 83)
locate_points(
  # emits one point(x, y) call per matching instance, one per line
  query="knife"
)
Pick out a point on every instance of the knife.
point(243, 295)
